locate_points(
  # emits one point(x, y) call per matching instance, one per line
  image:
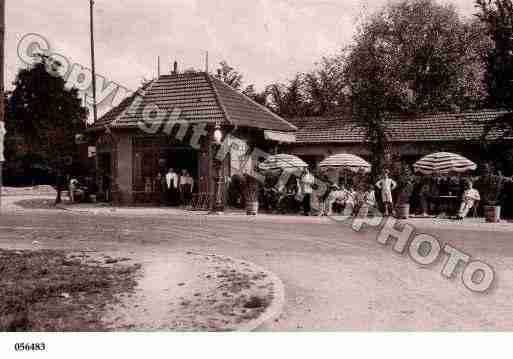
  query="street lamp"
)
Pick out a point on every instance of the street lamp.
point(218, 134)
point(218, 206)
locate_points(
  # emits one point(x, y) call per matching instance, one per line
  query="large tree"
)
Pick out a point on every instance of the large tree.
point(497, 17)
point(430, 56)
point(413, 56)
point(44, 115)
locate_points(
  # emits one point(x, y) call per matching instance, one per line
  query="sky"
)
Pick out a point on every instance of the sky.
point(266, 40)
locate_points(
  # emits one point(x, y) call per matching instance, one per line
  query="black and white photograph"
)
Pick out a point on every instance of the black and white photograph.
point(173, 168)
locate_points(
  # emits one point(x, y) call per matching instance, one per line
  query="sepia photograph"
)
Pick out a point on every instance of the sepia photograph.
point(284, 170)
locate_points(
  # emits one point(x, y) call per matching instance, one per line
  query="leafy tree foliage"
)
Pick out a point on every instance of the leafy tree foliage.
point(229, 75)
point(429, 59)
point(287, 100)
point(413, 56)
point(258, 97)
point(497, 17)
point(325, 88)
point(43, 116)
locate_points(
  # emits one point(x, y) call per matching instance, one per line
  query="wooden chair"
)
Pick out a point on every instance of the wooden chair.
point(475, 209)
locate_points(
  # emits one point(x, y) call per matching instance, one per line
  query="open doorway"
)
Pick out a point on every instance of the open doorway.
point(179, 158)
point(104, 180)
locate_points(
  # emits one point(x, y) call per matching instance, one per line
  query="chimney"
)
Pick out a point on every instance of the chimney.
point(175, 68)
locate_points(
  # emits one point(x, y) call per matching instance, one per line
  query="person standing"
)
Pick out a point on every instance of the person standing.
point(172, 187)
point(387, 185)
point(72, 187)
point(185, 185)
point(307, 181)
point(106, 183)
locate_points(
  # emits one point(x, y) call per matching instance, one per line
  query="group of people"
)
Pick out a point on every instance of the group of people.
point(303, 189)
point(350, 197)
point(176, 188)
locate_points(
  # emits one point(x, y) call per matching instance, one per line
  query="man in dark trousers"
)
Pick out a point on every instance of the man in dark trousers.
point(172, 187)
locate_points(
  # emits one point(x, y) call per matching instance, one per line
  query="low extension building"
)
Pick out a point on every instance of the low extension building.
point(410, 137)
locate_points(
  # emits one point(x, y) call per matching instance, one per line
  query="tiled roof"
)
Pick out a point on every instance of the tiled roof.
point(113, 113)
point(435, 127)
point(197, 97)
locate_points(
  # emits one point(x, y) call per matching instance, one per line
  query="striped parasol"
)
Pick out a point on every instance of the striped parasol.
point(443, 162)
point(282, 162)
point(346, 160)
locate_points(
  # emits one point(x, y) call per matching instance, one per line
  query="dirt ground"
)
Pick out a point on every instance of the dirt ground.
point(193, 292)
point(71, 279)
point(47, 290)
point(334, 278)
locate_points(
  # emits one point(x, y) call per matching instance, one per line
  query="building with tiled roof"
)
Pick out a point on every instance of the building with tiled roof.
point(169, 123)
point(412, 137)
point(199, 98)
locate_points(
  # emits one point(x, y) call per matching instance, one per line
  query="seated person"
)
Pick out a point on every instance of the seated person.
point(323, 198)
point(340, 199)
point(270, 198)
point(286, 201)
point(350, 201)
point(470, 196)
point(365, 199)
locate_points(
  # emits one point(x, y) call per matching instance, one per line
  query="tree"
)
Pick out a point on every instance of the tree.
point(45, 115)
point(288, 100)
point(325, 88)
point(497, 17)
point(413, 56)
point(431, 56)
point(229, 75)
point(258, 97)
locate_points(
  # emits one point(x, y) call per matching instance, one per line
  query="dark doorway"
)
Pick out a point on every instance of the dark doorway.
point(179, 158)
point(104, 179)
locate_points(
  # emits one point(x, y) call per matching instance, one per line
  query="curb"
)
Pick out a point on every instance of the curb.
point(274, 309)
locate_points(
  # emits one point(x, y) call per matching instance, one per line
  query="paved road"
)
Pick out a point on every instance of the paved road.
point(335, 278)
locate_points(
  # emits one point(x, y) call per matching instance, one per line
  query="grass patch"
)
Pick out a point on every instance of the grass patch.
point(46, 291)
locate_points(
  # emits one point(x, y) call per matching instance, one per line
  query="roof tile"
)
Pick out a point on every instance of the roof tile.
point(435, 127)
point(200, 98)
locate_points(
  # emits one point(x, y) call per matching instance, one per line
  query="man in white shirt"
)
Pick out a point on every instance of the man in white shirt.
point(307, 181)
point(172, 187)
point(386, 185)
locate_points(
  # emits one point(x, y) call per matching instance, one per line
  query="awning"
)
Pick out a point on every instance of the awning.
point(283, 137)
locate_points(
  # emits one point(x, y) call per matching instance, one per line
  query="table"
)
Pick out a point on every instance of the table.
point(448, 204)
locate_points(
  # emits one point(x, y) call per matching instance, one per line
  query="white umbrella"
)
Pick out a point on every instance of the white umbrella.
point(444, 162)
point(346, 160)
point(283, 162)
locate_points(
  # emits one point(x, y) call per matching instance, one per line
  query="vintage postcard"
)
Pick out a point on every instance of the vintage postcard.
point(255, 166)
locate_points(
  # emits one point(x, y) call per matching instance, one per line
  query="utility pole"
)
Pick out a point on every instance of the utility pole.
point(91, 16)
point(2, 112)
